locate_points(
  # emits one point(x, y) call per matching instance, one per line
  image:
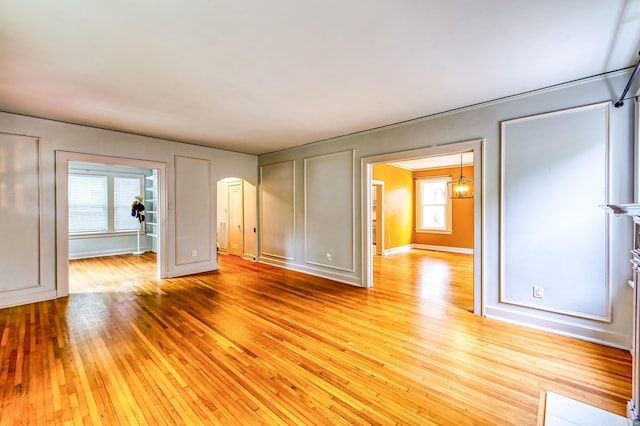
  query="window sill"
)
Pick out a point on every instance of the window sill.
point(434, 231)
point(104, 234)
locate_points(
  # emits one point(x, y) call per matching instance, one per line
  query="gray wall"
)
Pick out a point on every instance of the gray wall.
point(50, 137)
point(557, 312)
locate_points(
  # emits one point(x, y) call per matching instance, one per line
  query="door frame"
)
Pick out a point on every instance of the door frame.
point(63, 158)
point(477, 146)
point(379, 187)
point(230, 211)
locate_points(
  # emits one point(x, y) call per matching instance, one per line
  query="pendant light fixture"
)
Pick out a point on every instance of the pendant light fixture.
point(460, 187)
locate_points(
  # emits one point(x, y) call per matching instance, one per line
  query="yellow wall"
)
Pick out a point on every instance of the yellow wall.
point(462, 215)
point(399, 201)
point(399, 204)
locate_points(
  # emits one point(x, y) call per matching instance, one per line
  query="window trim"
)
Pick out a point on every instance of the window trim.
point(448, 228)
point(111, 232)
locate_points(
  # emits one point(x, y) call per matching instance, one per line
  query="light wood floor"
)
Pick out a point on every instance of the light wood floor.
point(253, 344)
point(427, 274)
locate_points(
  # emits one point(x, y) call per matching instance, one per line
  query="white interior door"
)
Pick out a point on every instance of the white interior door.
point(236, 228)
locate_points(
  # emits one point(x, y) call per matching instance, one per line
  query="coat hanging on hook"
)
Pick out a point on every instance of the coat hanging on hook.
point(137, 208)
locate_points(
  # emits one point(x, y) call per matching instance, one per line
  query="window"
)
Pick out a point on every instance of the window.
point(88, 204)
point(433, 205)
point(124, 191)
point(100, 202)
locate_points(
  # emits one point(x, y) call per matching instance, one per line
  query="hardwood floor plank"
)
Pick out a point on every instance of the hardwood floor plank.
point(254, 344)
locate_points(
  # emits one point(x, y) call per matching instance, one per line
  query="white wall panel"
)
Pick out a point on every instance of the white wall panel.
point(329, 210)
point(19, 213)
point(554, 234)
point(193, 210)
point(277, 207)
point(483, 121)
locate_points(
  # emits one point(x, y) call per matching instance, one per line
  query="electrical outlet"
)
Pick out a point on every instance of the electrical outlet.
point(538, 291)
point(329, 257)
point(194, 253)
point(389, 239)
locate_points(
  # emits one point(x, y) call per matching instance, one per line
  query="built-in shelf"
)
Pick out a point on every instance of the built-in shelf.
point(152, 212)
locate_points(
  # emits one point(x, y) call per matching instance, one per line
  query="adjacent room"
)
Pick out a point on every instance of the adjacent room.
point(113, 223)
point(422, 227)
point(403, 212)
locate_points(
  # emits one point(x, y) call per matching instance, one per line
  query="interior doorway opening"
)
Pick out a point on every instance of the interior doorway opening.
point(113, 225)
point(237, 218)
point(79, 237)
point(404, 233)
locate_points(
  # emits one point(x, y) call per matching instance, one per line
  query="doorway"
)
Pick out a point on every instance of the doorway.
point(236, 218)
point(474, 147)
point(377, 217)
point(113, 221)
point(154, 187)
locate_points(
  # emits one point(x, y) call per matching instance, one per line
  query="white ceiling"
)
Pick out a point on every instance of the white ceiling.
point(257, 76)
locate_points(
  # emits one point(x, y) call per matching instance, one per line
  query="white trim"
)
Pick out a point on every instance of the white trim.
point(25, 296)
point(443, 248)
point(398, 249)
point(63, 158)
point(479, 209)
point(341, 278)
point(636, 151)
point(560, 327)
point(381, 209)
point(189, 269)
point(432, 231)
point(501, 280)
point(105, 253)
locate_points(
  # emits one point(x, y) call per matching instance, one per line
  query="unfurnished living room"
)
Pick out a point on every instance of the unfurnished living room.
point(338, 212)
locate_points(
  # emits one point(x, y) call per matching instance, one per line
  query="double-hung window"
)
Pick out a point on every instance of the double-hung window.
point(100, 202)
point(433, 205)
point(125, 189)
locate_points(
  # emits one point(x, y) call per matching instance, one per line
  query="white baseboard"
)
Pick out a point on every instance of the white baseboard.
point(192, 268)
point(104, 253)
point(398, 249)
point(443, 248)
point(23, 297)
point(345, 279)
point(427, 247)
point(249, 256)
point(561, 327)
